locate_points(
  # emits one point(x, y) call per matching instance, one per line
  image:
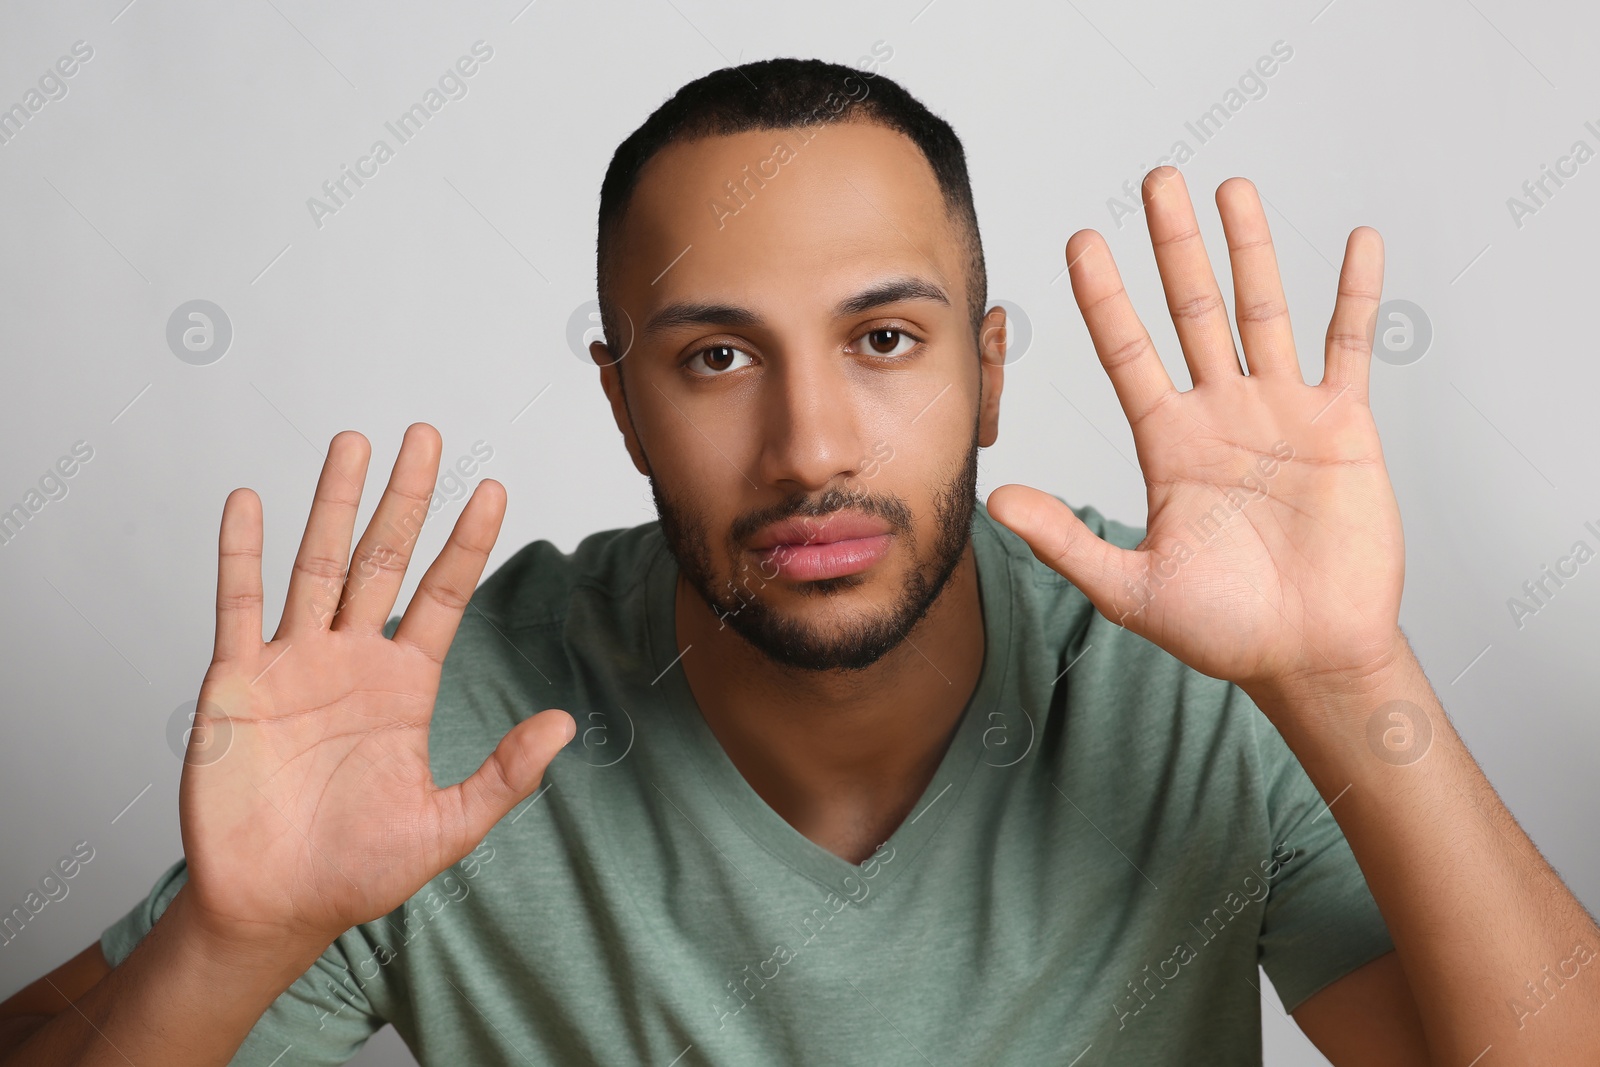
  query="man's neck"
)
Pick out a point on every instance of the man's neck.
point(841, 757)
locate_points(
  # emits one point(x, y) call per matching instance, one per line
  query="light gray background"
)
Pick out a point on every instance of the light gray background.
point(179, 164)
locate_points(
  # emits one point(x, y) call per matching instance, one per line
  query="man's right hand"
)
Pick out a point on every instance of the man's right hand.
point(307, 805)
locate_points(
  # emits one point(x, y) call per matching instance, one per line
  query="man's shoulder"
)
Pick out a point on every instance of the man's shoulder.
point(535, 587)
point(543, 630)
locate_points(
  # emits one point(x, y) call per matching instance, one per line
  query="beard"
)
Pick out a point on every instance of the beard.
point(851, 646)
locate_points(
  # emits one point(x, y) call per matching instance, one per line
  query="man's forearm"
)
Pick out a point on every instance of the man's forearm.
point(1498, 952)
point(181, 998)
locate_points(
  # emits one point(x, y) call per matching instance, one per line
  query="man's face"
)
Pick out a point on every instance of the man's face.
point(802, 383)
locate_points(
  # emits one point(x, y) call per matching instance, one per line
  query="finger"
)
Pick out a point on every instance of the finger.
point(1119, 337)
point(379, 564)
point(1062, 542)
point(1198, 310)
point(1258, 303)
point(1355, 313)
point(238, 635)
point(434, 613)
point(513, 770)
point(319, 567)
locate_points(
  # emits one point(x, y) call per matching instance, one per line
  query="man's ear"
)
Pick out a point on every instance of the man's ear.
point(992, 368)
point(611, 382)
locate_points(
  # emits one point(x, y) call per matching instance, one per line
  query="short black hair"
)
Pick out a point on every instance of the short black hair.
point(781, 94)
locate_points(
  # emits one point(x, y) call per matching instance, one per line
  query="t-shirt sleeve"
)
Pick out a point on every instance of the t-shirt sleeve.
point(1320, 921)
point(324, 1017)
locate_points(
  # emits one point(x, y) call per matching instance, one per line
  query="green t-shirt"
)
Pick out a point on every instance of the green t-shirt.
point(1113, 842)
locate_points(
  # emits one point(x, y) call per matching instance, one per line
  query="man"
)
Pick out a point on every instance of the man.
point(868, 772)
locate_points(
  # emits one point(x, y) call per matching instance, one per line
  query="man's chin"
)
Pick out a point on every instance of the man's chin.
point(802, 646)
point(844, 623)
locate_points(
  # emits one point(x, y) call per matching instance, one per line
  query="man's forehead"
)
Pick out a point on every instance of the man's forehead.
point(741, 214)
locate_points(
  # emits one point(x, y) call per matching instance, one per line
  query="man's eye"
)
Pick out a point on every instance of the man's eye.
point(885, 342)
point(715, 359)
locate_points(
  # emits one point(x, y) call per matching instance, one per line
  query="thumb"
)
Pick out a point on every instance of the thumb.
point(512, 771)
point(1062, 542)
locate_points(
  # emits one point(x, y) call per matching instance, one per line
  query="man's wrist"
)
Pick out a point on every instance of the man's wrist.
point(274, 959)
point(1361, 727)
point(1389, 668)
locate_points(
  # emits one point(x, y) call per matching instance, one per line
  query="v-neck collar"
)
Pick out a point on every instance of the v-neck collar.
point(758, 819)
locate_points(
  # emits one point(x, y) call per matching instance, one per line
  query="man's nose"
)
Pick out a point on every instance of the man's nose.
point(810, 423)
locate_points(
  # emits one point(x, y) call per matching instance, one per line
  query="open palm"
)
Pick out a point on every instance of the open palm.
point(307, 804)
point(1273, 545)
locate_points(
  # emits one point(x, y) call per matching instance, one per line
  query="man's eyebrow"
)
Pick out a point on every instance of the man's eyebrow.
point(891, 292)
point(698, 313)
point(701, 313)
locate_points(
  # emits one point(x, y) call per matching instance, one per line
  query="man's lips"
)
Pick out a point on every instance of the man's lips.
point(824, 530)
point(831, 546)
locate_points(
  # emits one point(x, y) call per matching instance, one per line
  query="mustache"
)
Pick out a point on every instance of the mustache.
point(890, 509)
